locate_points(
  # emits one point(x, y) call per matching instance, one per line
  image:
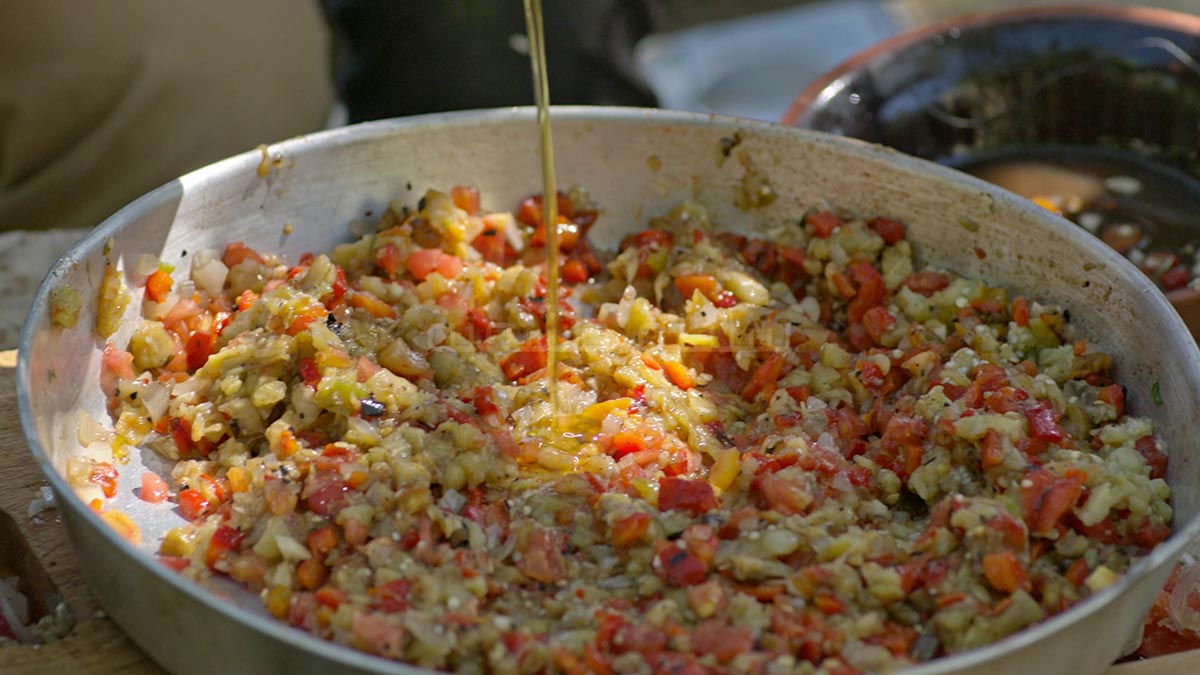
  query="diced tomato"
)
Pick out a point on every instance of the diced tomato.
point(870, 292)
point(392, 596)
point(878, 321)
point(892, 231)
point(626, 443)
point(1043, 422)
point(927, 282)
point(1104, 531)
point(338, 288)
point(199, 348)
point(783, 495)
point(991, 450)
point(541, 559)
point(115, 364)
point(322, 540)
point(679, 567)
point(492, 244)
point(725, 300)
point(225, 540)
point(575, 272)
point(568, 235)
point(903, 438)
point(181, 433)
point(823, 223)
point(192, 504)
point(630, 529)
point(328, 497)
point(355, 532)
point(237, 251)
point(1161, 635)
point(644, 638)
point(1150, 534)
point(378, 634)
point(829, 604)
point(694, 496)
point(765, 378)
point(154, 489)
point(104, 475)
point(688, 284)
point(158, 285)
point(1005, 572)
point(246, 300)
point(311, 573)
point(1047, 498)
point(1020, 311)
point(527, 360)
point(466, 198)
point(721, 640)
point(425, 261)
point(649, 239)
point(388, 259)
point(309, 373)
point(1114, 395)
point(330, 596)
point(530, 210)
point(843, 285)
point(1147, 446)
point(480, 324)
point(1078, 572)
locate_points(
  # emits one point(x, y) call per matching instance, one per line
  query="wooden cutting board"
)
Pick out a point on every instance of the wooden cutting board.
point(96, 644)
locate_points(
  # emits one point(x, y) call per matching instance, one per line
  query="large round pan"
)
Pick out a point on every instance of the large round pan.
point(636, 163)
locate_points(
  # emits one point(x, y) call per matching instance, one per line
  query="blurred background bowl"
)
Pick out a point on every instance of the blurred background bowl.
point(1050, 82)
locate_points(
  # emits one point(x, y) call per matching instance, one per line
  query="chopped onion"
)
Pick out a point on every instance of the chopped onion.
point(209, 276)
point(157, 311)
point(841, 483)
point(291, 549)
point(145, 265)
point(452, 501)
point(204, 256)
point(89, 430)
point(156, 398)
point(615, 583)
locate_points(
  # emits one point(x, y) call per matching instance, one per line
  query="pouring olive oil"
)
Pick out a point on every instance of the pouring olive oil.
point(541, 94)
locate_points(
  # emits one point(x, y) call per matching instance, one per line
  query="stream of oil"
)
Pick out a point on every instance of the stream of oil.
point(541, 94)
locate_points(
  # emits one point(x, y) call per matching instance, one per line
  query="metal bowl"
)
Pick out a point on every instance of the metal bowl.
point(1018, 81)
point(636, 163)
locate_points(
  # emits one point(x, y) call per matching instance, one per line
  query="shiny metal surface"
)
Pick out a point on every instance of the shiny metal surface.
point(323, 182)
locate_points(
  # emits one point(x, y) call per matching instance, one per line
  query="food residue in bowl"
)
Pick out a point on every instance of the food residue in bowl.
point(1145, 211)
point(794, 450)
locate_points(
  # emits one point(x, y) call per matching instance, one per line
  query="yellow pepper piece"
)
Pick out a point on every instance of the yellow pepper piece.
point(645, 490)
point(725, 470)
point(598, 411)
point(179, 543)
point(239, 479)
point(698, 340)
point(279, 600)
point(124, 526)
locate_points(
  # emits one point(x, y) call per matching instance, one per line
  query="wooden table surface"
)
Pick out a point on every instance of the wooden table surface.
point(96, 644)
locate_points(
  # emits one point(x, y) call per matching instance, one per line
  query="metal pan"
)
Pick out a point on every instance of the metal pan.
point(636, 163)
